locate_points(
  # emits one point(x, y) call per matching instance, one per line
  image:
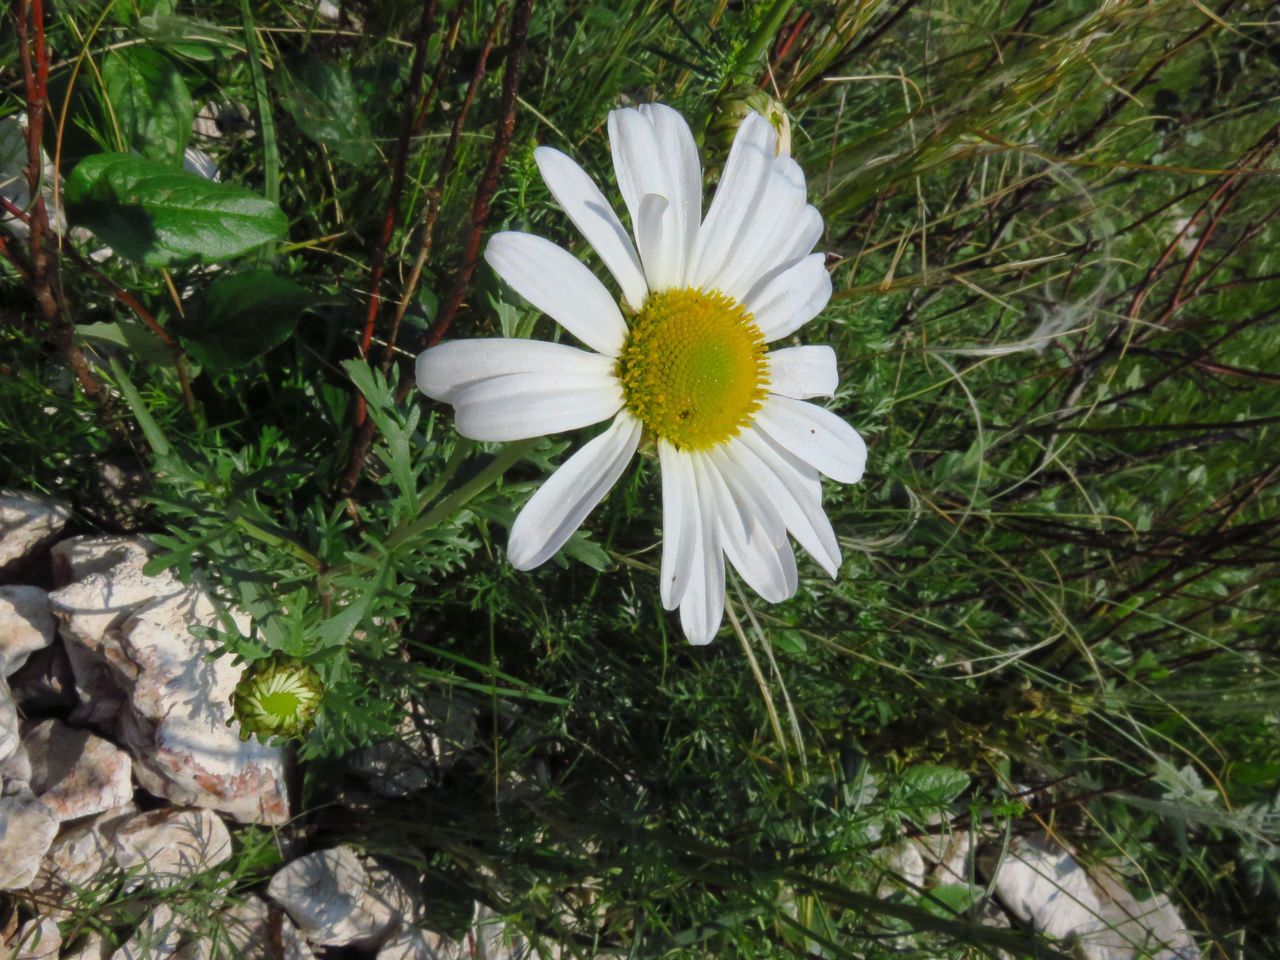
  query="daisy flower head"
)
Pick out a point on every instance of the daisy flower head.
point(686, 362)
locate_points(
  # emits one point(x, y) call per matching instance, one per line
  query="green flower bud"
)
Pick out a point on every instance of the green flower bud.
point(733, 109)
point(277, 697)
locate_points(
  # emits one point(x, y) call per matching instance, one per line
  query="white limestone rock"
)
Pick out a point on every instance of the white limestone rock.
point(156, 938)
point(495, 941)
point(429, 738)
point(339, 898)
point(415, 943)
point(1151, 930)
point(91, 946)
point(76, 773)
point(27, 828)
point(77, 860)
point(162, 848)
point(904, 868)
point(26, 625)
point(78, 557)
point(1044, 887)
point(178, 722)
point(38, 940)
point(248, 931)
point(10, 742)
point(27, 522)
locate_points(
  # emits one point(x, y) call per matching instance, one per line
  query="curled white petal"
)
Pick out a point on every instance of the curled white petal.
point(816, 436)
point(592, 214)
point(559, 285)
point(768, 567)
point(803, 372)
point(561, 504)
point(654, 153)
point(523, 405)
point(444, 370)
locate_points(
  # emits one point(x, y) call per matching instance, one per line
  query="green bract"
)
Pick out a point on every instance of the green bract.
point(277, 697)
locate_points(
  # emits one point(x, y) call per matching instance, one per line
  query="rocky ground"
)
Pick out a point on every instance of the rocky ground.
point(122, 774)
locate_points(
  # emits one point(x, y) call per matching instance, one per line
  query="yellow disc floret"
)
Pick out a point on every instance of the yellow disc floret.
point(693, 368)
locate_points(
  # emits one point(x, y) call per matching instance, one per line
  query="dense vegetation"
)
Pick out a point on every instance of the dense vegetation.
point(1054, 231)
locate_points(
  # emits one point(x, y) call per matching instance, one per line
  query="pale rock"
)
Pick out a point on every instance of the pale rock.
point(951, 855)
point(179, 723)
point(415, 943)
point(1150, 930)
point(905, 868)
point(38, 940)
point(156, 938)
point(10, 739)
point(107, 585)
point(247, 931)
point(494, 941)
point(26, 625)
point(27, 522)
point(77, 557)
point(76, 773)
point(77, 858)
point(338, 898)
point(90, 947)
point(27, 828)
point(162, 848)
point(1045, 888)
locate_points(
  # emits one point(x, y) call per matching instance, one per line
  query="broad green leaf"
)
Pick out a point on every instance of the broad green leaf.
point(158, 216)
point(138, 340)
point(149, 101)
point(241, 317)
point(322, 100)
point(186, 37)
point(931, 786)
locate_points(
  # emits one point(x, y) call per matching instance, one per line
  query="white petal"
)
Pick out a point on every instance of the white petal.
point(446, 369)
point(760, 513)
point(702, 607)
point(815, 435)
point(679, 523)
point(559, 285)
point(654, 153)
point(795, 241)
point(792, 298)
point(591, 213)
point(561, 504)
point(802, 372)
point(750, 159)
point(766, 235)
point(523, 405)
point(795, 490)
point(769, 569)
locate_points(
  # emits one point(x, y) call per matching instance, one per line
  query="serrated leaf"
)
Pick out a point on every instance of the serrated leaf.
point(149, 101)
point(159, 216)
point(243, 316)
point(322, 100)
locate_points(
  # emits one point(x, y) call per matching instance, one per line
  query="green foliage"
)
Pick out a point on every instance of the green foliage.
point(160, 217)
point(1055, 245)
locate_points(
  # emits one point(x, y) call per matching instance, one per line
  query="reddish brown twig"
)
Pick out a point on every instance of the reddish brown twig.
point(489, 181)
point(433, 201)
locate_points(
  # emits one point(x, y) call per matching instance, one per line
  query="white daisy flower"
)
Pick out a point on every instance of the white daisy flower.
point(684, 363)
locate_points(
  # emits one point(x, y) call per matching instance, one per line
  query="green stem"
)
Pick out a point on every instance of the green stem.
point(270, 150)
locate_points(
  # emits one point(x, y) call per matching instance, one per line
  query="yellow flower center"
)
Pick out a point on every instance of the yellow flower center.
point(693, 368)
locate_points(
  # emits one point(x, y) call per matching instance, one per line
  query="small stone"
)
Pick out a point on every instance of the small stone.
point(1045, 888)
point(75, 772)
point(78, 557)
point(162, 848)
point(26, 625)
point(414, 943)
point(177, 720)
point(156, 938)
point(904, 867)
point(337, 900)
point(27, 522)
point(38, 940)
point(10, 739)
point(1129, 929)
point(27, 828)
point(91, 947)
point(494, 941)
point(77, 858)
point(248, 931)
point(408, 762)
